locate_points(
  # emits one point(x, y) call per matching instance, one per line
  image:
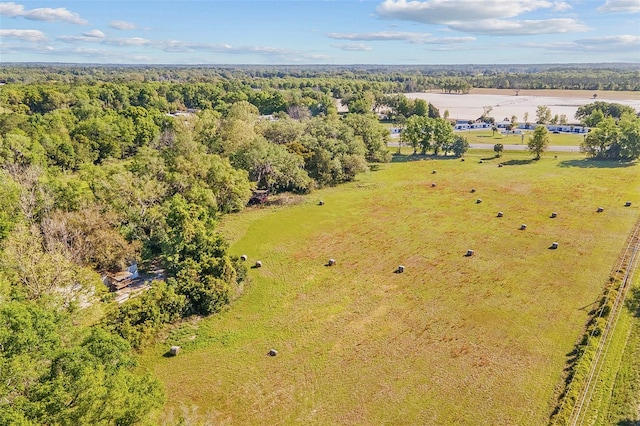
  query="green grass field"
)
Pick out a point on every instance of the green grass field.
point(478, 340)
point(487, 136)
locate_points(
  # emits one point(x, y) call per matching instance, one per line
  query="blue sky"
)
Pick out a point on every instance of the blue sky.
point(321, 32)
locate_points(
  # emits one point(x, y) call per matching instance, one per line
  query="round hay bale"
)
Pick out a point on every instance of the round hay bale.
point(600, 209)
point(258, 264)
point(473, 190)
point(321, 203)
point(400, 269)
point(500, 165)
point(478, 201)
point(553, 215)
point(523, 227)
point(462, 159)
point(331, 262)
point(480, 161)
point(553, 246)
point(500, 214)
point(272, 352)
point(174, 350)
point(627, 204)
point(244, 257)
point(470, 253)
point(433, 184)
point(433, 172)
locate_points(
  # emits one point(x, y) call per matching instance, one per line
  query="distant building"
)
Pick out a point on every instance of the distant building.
point(558, 128)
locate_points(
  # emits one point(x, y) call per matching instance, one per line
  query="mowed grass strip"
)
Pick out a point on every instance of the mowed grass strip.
point(490, 137)
point(478, 340)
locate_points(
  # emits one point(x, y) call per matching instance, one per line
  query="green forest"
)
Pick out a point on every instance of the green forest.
point(102, 167)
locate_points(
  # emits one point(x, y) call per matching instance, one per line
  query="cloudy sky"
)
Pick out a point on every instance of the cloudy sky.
point(320, 32)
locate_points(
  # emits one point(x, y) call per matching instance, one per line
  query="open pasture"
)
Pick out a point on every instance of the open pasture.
point(477, 340)
point(490, 137)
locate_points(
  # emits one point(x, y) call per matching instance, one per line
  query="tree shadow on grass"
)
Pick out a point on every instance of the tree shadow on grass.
point(402, 158)
point(519, 162)
point(590, 163)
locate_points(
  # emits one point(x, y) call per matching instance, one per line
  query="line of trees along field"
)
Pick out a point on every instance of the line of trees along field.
point(101, 166)
point(345, 78)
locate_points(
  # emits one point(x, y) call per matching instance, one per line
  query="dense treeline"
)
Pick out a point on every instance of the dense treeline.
point(95, 176)
point(339, 79)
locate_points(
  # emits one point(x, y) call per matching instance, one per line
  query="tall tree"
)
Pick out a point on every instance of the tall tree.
point(418, 133)
point(539, 141)
point(460, 145)
point(442, 135)
point(374, 136)
point(543, 114)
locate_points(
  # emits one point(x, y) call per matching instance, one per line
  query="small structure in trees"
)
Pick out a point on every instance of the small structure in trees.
point(174, 350)
point(259, 196)
point(123, 279)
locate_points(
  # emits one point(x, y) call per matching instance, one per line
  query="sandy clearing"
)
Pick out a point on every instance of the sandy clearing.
point(559, 93)
point(506, 104)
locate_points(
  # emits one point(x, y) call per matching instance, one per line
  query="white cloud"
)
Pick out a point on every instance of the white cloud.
point(352, 47)
point(526, 27)
point(619, 43)
point(176, 46)
point(97, 36)
point(132, 41)
point(94, 34)
point(411, 37)
point(274, 54)
point(47, 14)
point(629, 43)
point(33, 36)
point(493, 17)
point(445, 11)
point(123, 25)
point(623, 6)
